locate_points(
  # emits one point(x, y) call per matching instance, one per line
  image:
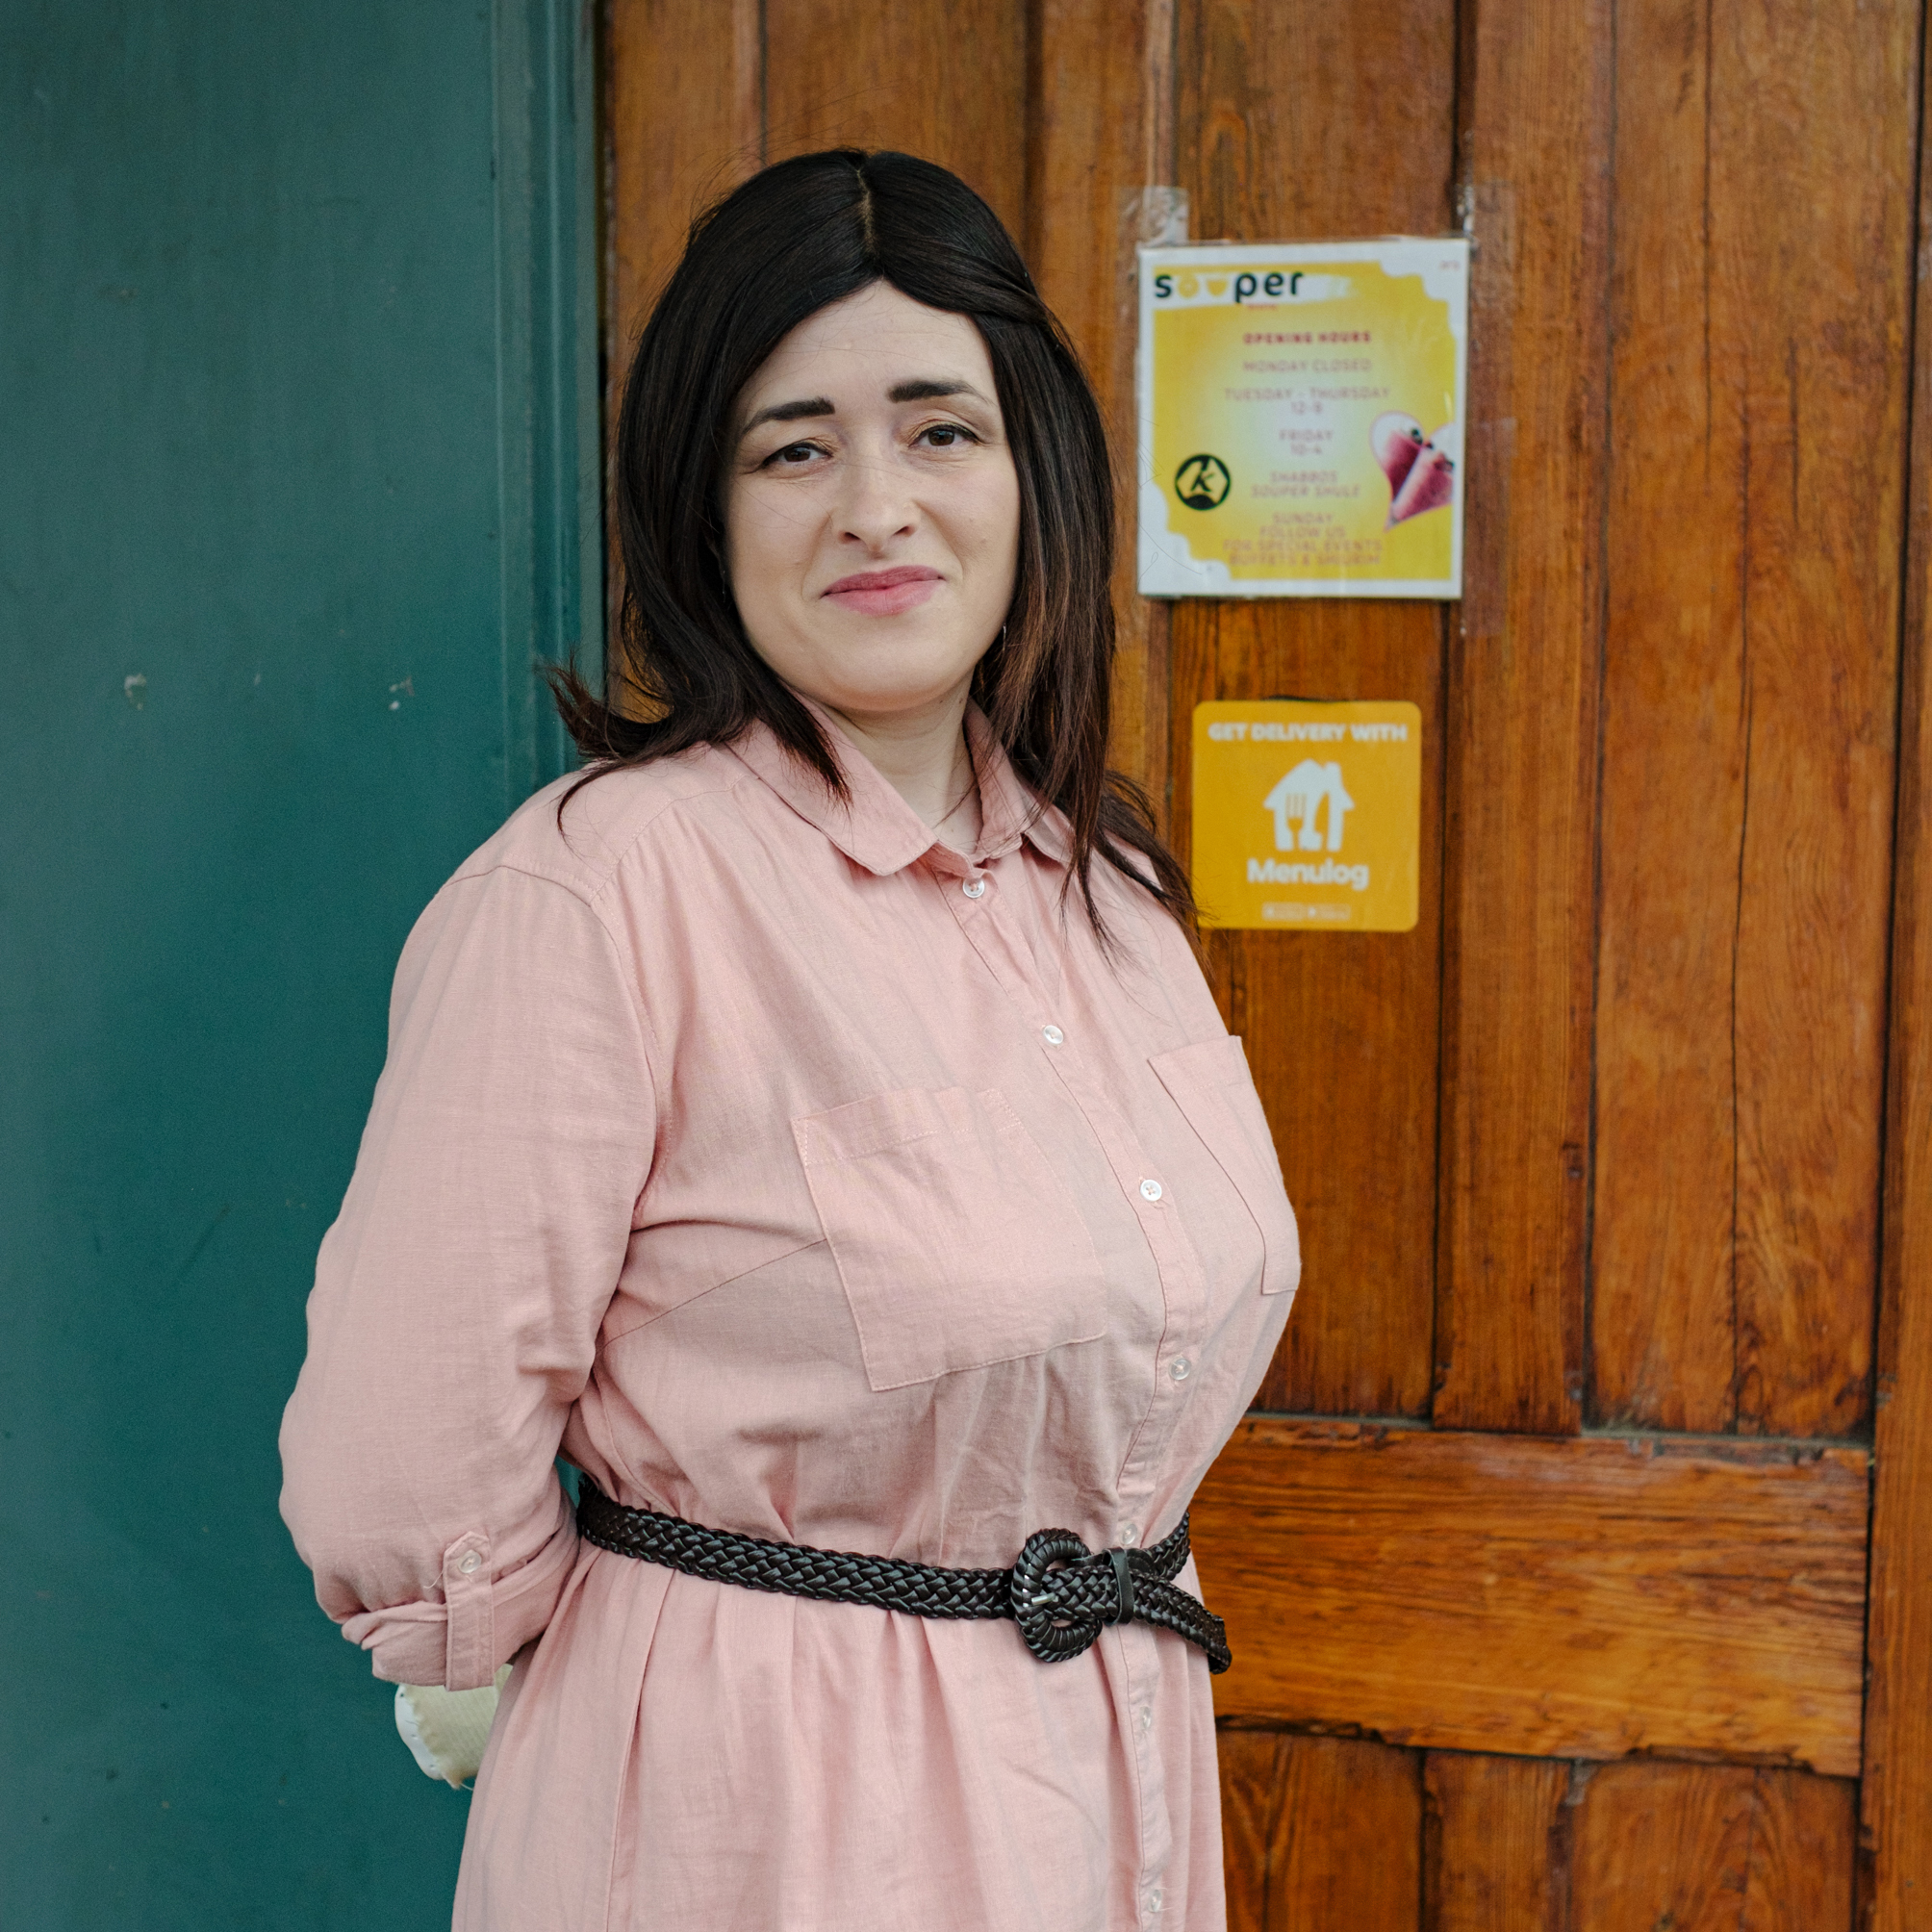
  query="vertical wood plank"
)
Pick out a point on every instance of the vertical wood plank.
point(1713, 1849)
point(1342, 1030)
point(944, 79)
point(686, 126)
point(1101, 125)
point(1320, 1833)
point(1348, 1848)
point(1663, 1844)
point(1758, 407)
point(1662, 1335)
point(1251, 1809)
point(1803, 1856)
point(1522, 722)
point(1813, 928)
point(1895, 1795)
point(1497, 1842)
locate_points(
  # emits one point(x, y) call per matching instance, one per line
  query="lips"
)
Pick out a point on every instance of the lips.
point(884, 593)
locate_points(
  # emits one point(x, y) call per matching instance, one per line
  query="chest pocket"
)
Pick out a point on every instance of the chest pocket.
point(957, 1243)
point(1210, 1085)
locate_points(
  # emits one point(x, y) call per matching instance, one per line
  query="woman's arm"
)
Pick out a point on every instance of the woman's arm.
point(458, 1296)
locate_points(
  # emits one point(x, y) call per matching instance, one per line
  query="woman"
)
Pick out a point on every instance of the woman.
point(813, 1121)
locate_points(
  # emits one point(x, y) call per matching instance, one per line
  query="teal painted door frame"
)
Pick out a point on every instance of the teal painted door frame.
point(548, 411)
point(298, 480)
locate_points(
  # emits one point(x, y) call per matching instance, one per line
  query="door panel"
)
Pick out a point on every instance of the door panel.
point(1711, 1847)
point(1755, 519)
point(1589, 1164)
point(1321, 1831)
point(1560, 1598)
point(1344, 1041)
point(1346, 1036)
point(1520, 1845)
point(945, 81)
point(1895, 1797)
point(1534, 120)
point(1100, 161)
point(1498, 1853)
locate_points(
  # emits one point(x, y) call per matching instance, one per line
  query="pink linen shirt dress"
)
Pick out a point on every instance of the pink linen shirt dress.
point(796, 1175)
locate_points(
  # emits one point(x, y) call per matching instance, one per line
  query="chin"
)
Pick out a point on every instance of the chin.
point(894, 675)
point(885, 700)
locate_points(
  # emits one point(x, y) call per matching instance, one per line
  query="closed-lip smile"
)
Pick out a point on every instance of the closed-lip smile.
point(885, 593)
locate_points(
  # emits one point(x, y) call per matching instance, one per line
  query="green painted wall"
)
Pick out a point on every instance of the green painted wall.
point(296, 473)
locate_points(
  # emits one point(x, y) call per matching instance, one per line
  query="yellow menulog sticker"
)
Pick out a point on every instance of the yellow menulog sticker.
point(1308, 816)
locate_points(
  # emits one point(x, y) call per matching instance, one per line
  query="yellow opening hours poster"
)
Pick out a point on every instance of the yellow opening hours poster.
point(1301, 419)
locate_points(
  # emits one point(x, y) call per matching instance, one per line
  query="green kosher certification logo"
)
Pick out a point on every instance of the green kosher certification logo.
point(1202, 482)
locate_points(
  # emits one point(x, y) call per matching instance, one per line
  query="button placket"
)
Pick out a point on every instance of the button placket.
point(1178, 1266)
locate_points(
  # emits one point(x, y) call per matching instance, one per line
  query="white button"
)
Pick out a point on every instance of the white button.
point(1154, 1900)
point(1129, 1535)
point(1181, 1368)
point(1147, 1717)
point(469, 1564)
point(1150, 1190)
point(973, 887)
point(1052, 1036)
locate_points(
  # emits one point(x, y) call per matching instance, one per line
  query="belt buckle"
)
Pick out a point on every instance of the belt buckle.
point(1055, 1602)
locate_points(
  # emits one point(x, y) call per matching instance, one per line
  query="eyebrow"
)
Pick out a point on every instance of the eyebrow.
point(792, 411)
point(925, 388)
point(930, 388)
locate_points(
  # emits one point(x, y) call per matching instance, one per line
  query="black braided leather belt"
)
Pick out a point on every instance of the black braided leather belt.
point(1060, 1594)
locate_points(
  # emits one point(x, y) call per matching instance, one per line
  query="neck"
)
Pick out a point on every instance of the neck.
point(921, 754)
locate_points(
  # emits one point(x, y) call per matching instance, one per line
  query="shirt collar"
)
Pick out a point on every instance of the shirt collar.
point(874, 827)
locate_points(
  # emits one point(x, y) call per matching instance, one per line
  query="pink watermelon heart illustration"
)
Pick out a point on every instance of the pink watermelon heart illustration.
point(1430, 484)
point(1397, 440)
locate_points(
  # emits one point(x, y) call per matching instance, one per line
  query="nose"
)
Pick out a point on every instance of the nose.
point(875, 504)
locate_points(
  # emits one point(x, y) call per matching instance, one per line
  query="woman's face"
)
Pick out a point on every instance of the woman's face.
point(873, 511)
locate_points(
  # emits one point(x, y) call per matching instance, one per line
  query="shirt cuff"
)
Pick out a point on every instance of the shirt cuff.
point(481, 1624)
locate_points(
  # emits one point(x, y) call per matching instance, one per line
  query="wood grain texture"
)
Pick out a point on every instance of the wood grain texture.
point(1581, 1597)
point(684, 103)
point(1712, 1848)
point(1802, 1869)
point(1757, 403)
point(1518, 891)
point(1251, 1815)
point(682, 90)
point(1523, 1844)
point(1663, 1844)
point(1100, 130)
point(1496, 1843)
point(1895, 1799)
point(1342, 1030)
point(943, 79)
point(1319, 1833)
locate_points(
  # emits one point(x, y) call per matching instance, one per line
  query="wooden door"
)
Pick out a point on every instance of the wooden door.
point(1576, 1556)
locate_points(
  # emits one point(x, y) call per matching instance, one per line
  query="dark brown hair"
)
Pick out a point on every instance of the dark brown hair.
point(798, 236)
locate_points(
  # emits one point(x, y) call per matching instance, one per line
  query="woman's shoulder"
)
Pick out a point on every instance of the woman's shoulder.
point(579, 830)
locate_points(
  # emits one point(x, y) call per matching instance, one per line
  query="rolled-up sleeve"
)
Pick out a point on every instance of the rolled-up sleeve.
point(459, 1294)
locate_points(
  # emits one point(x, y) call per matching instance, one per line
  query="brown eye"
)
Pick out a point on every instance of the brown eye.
point(944, 435)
